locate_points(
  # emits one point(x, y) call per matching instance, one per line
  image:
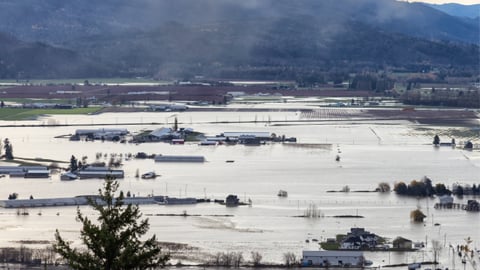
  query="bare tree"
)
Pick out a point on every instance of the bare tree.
point(437, 248)
point(312, 211)
point(25, 254)
point(237, 258)
point(256, 258)
point(290, 259)
point(226, 259)
point(217, 259)
point(46, 255)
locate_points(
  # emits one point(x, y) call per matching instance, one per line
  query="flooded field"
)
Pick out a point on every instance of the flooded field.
point(371, 152)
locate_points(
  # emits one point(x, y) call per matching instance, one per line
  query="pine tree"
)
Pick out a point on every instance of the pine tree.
point(436, 140)
point(73, 163)
point(175, 124)
point(114, 241)
point(8, 149)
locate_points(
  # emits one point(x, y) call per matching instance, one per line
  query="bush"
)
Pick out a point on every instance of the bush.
point(401, 188)
point(383, 187)
point(417, 215)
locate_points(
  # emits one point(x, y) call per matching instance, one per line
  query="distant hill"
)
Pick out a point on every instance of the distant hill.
point(272, 48)
point(55, 21)
point(25, 60)
point(274, 39)
point(468, 11)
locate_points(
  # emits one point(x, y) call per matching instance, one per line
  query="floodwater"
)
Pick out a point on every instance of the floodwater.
point(371, 152)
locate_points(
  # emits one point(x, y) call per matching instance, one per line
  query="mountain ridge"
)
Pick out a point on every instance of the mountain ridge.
point(55, 21)
point(459, 10)
point(251, 38)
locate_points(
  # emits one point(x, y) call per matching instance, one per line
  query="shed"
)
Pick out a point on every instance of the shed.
point(473, 206)
point(232, 200)
point(402, 243)
point(169, 158)
point(86, 174)
point(178, 141)
point(259, 135)
point(37, 174)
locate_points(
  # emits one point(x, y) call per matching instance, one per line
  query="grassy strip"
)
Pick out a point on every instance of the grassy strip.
point(38, 100)
point(330, 246)
point(23, 163)
point(36, 162)
point(81, 81)
point(11, 114)
point(43, 160)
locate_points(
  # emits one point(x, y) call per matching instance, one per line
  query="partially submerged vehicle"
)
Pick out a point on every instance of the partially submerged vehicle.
point(149, 175)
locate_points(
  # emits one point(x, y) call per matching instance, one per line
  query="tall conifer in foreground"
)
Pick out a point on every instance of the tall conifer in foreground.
point(114, 241)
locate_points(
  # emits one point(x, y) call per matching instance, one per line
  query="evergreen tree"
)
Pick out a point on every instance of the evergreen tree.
point(8, 149)
point(468, 145)
point(475, 190)
point(459, 191)
point(175, 124)
point(429, 190)
point(73, 164)
point(114, 241)
point(441, 189)
point(436, 140)
point(401, 188)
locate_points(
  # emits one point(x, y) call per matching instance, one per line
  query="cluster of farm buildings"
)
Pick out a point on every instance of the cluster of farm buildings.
point(351, 247)
point(179, 136)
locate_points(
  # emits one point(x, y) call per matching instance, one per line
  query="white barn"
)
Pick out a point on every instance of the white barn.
point(445, 199)
point(260, 135)
point(113, 131)
point(325, 258)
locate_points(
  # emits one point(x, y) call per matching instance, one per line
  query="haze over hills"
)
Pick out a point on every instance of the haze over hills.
point(262, 38)
point(467, 11)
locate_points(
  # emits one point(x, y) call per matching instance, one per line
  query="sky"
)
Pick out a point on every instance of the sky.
point(463, 2)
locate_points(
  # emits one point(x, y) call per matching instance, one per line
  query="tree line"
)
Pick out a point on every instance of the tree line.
point(425, 188)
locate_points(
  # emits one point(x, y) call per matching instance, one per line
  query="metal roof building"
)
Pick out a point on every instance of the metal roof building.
point(247, 134)
point(326, 258)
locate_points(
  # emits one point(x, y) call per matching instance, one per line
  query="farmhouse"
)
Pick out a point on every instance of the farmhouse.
point(162, 133)
point(358, 238)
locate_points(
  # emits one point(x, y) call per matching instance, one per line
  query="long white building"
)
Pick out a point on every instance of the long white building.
point(326, 258)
